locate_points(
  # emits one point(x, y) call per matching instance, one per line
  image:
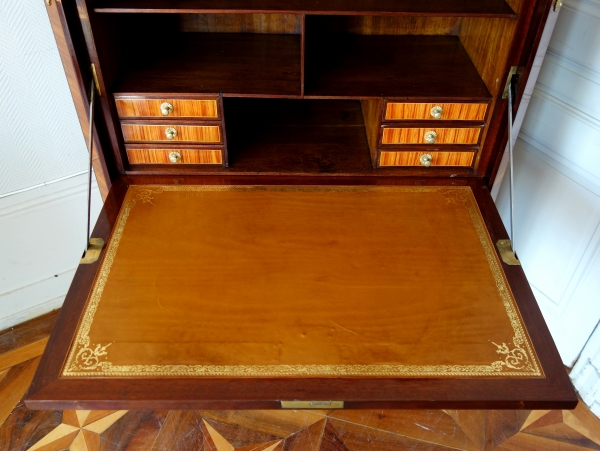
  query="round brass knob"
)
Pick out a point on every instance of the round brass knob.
point(430, 137)
point(426, 160)
point(437, 112)
point(175, 157)
point(166, 108)
point(171, 133)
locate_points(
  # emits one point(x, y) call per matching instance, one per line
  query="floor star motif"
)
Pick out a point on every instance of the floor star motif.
point(215, 441)
point(79, 431)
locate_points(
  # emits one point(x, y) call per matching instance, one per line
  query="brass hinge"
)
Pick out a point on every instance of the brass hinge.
point(95, 75)
point(92, 254)
point(557, 4)
point(507, 254)
point(312, 404)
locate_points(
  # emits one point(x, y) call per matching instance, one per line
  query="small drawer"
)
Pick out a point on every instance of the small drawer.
point(393, 135)
point(180, 108)
point(430, 111)
point(426, 159)
point(175, 156)
point(171, 133)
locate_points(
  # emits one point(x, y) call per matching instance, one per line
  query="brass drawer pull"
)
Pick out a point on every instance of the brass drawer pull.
point(166, 108)
point(426, 160)
point(175, 157)
point(437, 112)
point(171, 133)
point(430, 137)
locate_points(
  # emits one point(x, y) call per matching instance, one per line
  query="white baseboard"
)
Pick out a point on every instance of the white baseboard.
point(32, 312)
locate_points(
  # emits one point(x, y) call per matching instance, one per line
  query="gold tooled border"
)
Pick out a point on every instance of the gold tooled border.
point(86, 359)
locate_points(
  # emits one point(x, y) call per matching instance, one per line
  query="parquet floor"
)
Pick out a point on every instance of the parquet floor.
point(315, 430)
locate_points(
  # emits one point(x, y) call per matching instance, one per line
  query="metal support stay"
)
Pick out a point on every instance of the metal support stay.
point(507, 247)
point(93, 246)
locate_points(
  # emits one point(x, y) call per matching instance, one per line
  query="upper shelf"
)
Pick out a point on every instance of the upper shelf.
point(358, 66)
point(234, 63)
point(479, 8)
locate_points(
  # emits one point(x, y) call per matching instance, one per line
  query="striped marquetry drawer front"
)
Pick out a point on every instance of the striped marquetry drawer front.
point(171, 133)
point(426, 159)
point(175, 156)
point(203, 109)
point(393, 135)
point(444, 111)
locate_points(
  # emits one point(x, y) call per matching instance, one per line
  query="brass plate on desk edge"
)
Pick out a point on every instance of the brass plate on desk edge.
point(221, 209)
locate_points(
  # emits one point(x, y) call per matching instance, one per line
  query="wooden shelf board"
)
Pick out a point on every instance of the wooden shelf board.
point(241, 64)
point(476, 8)
point(409, 67)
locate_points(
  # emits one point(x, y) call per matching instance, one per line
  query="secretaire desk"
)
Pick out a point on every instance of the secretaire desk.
point(297, 210)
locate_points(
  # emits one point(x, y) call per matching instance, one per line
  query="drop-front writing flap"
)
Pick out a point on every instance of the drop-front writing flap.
point(301, 281)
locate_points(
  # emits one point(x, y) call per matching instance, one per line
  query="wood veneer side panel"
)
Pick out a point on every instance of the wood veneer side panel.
point(225, 153)
point(372, 115)
point(68, 318)
point(78, 87)
point(107, 108)
point(519, 50)
point(302, 53)
point(488, 43)
point(400, 25)
point(526, 47)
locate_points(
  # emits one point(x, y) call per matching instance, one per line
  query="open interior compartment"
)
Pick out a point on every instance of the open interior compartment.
point(281, 135)
point(236, 54)
point(387, 56)
point(291, 54)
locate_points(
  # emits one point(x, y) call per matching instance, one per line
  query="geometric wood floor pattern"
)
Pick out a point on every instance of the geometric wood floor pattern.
point(314, 430)
point(278, 430)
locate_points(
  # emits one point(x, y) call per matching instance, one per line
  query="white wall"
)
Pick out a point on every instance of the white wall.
point(42, 159)
point(557, 182)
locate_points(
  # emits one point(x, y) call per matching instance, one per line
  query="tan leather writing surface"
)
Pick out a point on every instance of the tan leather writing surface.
point(301, 281)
